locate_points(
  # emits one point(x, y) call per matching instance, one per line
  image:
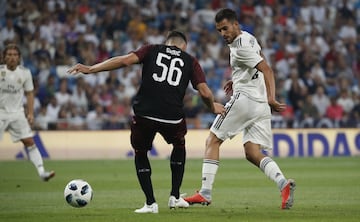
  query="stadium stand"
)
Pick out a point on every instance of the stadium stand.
point(312, 45)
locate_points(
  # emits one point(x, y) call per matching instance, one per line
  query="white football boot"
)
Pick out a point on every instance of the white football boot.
point(47, 175)
point(177, 203)
point(153, 208)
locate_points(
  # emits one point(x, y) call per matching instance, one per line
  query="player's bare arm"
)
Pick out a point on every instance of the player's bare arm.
point(208, 99)
point(30, 106)
point(270, 86)
point(109, 64)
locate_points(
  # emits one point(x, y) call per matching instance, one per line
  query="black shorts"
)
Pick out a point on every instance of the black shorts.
point(143, 132)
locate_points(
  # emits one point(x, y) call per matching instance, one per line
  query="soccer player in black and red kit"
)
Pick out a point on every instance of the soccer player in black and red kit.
point(158, 107)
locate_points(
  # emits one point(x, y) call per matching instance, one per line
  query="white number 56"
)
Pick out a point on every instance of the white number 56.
point(171, 74)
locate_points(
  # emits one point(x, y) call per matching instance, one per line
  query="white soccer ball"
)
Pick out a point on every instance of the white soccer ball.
point(78, 193)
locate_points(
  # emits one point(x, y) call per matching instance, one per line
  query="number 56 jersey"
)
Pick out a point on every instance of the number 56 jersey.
point(166, 73)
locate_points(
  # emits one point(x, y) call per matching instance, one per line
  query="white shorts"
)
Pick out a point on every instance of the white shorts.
point(16, 124)
point(249, 116)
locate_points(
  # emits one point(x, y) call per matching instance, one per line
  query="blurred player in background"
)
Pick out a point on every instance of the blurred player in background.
point(15, 80)
point(249, 110)
point(158, 107)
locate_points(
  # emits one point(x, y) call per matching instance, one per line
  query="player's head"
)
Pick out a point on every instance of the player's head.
point(227, 24)
point(11, 55)
point(176, 38)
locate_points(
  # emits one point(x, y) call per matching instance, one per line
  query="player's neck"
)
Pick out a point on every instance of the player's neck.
point(176, 44)
point(10, 67)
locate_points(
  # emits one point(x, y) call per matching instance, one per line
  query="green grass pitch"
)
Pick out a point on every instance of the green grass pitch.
point(328, 189)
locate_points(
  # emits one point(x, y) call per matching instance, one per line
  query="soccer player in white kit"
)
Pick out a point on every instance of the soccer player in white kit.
point(249, 111)
point(15, 80)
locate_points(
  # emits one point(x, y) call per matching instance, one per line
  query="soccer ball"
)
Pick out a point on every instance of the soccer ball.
point(78, 193)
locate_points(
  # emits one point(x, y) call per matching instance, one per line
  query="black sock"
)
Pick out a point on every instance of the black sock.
point(177, 166)
point(143, 172)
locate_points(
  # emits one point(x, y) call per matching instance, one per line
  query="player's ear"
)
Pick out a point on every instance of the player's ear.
point(183, 46)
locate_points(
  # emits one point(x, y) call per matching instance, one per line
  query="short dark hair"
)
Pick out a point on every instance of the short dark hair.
point(11, 46)
point(225, 13)
point(176, 34)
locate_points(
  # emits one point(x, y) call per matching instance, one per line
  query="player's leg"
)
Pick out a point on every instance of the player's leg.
point(143, 172)
point(219, 132)
point(4, 123)
point(20, 131)
point(266, 164)
point(177, 166)
point(209, 170)
point(175, 134)
point(35, 157)
point(142, 135)
point(260, 133)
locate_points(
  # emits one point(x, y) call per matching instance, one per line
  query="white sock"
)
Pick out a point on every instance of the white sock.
point(209, 170)
point(272, 170)
point(35, 157)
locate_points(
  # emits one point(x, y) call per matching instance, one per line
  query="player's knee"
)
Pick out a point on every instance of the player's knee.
point(28, 142)
point(178, 155)
point(139, 146)
point(140, 152)
point(180, 144)
point(213, 141)
point(248, 156)
point(253, 153)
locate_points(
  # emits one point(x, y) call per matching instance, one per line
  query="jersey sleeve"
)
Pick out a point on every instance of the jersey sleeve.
point(248, 56)
point(198, 74)
point(142, 51)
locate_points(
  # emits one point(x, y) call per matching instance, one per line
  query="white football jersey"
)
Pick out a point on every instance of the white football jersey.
point(244, 56)
point(13, 84)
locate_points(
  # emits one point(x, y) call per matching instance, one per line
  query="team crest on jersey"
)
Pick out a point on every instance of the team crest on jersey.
point(252, 42)
point(3, 74)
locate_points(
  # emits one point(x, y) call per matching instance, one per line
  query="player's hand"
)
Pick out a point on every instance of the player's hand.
point(30, 119)
point(228, 88)
point(219, 109)
point(277, 106)
point(79, 68)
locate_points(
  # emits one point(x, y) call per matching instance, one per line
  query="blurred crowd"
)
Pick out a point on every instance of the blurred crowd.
point(312, 45)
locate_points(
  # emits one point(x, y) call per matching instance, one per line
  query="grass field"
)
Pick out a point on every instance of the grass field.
point(328, 189)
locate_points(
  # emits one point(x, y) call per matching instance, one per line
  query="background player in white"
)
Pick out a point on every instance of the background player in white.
point(249, 110)
point(15, 80)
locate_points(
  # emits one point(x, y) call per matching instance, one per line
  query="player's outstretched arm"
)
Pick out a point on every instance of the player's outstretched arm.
point(109, 64)
point(79, 68)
